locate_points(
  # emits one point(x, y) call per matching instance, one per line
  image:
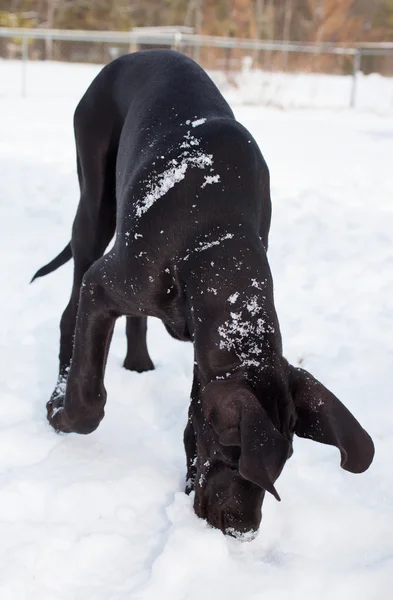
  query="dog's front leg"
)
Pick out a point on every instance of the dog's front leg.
point(191, 455)
point(81, 407)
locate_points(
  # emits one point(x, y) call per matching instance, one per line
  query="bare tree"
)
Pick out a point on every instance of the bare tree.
point(259, 22)
point(259, 18)
point(288, 12)
point(271, 13)
point(52, 6)
point(194, 15)
point(286, 33)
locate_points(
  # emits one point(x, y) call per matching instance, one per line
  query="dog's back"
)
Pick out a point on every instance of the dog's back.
point(171, 136)
point(153, 88)
point(153, 126)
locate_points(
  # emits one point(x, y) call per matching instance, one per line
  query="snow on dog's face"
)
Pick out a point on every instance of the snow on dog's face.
point(236, 452)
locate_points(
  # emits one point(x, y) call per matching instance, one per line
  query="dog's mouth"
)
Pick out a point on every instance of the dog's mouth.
point(245, 536)
point(234, 524)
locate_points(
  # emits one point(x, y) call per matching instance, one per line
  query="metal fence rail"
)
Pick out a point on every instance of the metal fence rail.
point(190, 43)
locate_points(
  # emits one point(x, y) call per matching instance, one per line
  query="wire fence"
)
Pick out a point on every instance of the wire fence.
point(237, 60)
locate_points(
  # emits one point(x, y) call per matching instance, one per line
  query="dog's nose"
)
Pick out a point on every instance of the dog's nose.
point(239, 525)
point(233, 523)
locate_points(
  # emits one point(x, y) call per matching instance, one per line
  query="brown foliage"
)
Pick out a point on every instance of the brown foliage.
point(301, 20)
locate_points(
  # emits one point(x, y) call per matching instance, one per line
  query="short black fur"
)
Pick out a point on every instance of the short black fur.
point(164, 164)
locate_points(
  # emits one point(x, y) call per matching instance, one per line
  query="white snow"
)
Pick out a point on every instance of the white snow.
point(257, 284)
point(160, 184)
point(233, 297)
point(252, 305)
point(191, 140)
point(245, 336)
point(209, 179)
point(306, 90)
point(104, 516)
point(213, 290)
point(206, 245)
point(253, 87)
point(198, 122)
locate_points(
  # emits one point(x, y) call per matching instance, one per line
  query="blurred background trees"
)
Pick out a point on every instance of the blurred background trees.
point(299, 20)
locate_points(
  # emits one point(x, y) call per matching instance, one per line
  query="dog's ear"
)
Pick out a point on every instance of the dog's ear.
point(239, 420)
point(323, 418)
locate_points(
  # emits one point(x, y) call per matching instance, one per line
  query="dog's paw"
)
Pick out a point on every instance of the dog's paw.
point(190, 485)
point(55, 414)
point(86, 423)
point(138, 364)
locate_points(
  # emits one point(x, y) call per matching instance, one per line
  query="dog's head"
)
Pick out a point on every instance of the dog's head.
point(236, 449)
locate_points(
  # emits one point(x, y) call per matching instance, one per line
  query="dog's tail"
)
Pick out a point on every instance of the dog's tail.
point(64, 256)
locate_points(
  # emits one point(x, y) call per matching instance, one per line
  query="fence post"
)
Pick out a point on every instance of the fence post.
point(196, 52)
point(177, 41)
point(356, 68)
point(49, 48)
point(25, 58)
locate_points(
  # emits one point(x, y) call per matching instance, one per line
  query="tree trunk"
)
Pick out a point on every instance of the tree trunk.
point(286, 33)
point(50, 20)
point(259, 20)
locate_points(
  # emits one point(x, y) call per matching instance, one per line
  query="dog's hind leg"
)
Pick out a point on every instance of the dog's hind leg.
point(266, 207)
point(93, 229)
point(137, 358)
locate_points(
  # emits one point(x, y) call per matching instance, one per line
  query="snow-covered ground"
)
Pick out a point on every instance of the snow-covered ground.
point(104, 517)
point(251, 87)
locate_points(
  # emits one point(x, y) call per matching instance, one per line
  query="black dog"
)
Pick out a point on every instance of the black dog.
point(162, 160)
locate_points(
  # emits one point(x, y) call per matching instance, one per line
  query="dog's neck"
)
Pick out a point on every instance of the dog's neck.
point(229, 292)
